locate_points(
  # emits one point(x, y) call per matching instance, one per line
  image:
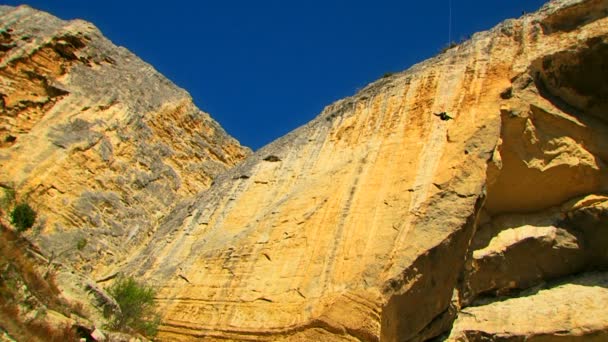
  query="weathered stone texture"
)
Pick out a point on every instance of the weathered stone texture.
point(97, 140)
point(574, 310)
point(378, 220)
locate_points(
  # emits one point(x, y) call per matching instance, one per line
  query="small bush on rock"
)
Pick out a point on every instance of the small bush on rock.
point(23, 216)
point(137, 310)
point(81, 244)
point(8, 198)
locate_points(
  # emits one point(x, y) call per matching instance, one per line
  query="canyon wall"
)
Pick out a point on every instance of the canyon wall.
point(381, 220)
point(97, 141)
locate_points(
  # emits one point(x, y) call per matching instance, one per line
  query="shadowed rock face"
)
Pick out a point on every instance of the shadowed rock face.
point(570, 310)
point(377, 220)
point(99, 142)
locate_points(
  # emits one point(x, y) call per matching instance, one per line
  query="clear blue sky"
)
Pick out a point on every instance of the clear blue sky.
point(262, 68)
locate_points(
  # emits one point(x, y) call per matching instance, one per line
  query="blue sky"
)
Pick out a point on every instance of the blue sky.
point(262, 68)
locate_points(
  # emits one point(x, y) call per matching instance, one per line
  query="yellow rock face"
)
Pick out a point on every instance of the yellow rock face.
point(571, 311)
point(478, 173)
point(357, 225)
point(97, 141)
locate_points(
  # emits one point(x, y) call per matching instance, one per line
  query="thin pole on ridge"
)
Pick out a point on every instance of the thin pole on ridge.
point(450, 23)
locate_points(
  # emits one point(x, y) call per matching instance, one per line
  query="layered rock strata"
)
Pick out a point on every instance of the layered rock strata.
point(100, 143)
point(574, 310)
point(380, 220)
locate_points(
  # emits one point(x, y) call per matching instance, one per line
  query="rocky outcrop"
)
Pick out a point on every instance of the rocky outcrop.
point(99, 142)
point(379, 220)
point(518, 251)
point(574, 310)
point(32, 307)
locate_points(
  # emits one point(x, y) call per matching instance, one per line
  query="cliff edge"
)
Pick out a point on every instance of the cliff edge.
point(464, 199)
point(383, 220)
point(100, 143)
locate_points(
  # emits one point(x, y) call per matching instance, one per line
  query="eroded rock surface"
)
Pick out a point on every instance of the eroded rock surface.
point(100, 143)
point(517, 251)
point(379, 220)
point(570, 311)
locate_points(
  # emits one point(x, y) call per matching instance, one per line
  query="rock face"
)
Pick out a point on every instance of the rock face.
point(99, 142)
point(574, 310)
point(379, 220)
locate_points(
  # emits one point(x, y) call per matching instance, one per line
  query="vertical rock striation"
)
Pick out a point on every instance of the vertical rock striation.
point(380, 220)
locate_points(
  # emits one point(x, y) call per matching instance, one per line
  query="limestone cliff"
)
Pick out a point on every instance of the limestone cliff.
point(380, 220)
point(100, 143)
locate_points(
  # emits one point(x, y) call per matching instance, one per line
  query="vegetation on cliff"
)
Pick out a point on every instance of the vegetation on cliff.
point(137, 308)
point(23, 216)
point(28, 298)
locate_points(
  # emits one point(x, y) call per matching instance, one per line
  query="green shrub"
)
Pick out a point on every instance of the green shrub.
point(8, 198)
point(81, 244)
point(23, 216)
point(137, 309)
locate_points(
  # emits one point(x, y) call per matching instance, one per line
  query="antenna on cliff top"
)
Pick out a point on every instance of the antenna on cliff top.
point(450, 23)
